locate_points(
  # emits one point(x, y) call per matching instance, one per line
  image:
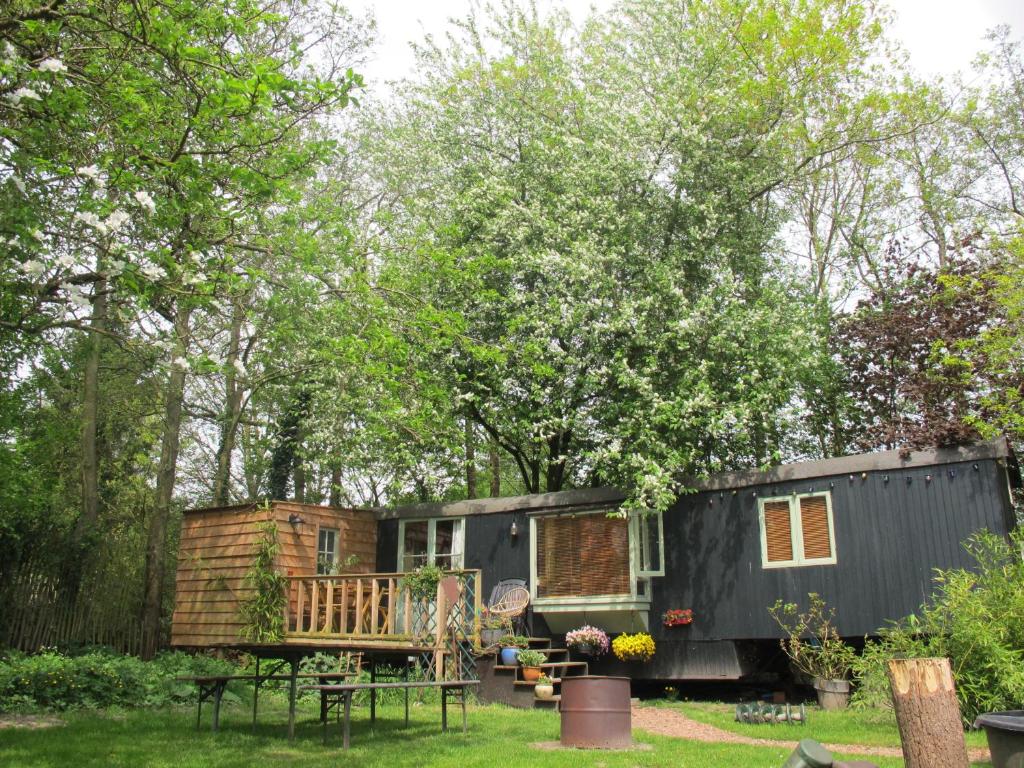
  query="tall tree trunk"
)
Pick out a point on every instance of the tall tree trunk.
point(470, 460)
point(85, 526)
point(927, 713)
point(231, 412)
point(156, 540)
point(495, 464)
point(334, 497)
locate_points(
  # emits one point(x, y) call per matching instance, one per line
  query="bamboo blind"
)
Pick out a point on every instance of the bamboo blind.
point(814, 526)
point(582, 556)
point(778, 532)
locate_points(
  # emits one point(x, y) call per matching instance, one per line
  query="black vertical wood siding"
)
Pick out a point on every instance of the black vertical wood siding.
point(889, 539)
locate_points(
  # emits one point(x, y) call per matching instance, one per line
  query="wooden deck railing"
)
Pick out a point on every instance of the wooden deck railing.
point(380, 607)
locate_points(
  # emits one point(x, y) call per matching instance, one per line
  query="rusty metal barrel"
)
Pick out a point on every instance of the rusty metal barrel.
point(595, 712)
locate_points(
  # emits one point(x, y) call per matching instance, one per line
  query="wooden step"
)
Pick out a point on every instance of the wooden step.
point(531, 683)
point(552, 703)
point(545, 665)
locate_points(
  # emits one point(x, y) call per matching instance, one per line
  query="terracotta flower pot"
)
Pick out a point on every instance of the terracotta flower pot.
point(531, 674)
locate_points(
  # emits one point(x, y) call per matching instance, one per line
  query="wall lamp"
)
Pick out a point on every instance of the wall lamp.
point(513, 530)
point(295, 520)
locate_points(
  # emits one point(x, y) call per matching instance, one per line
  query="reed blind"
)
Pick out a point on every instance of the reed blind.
point(814, 527)
point(778, 531)
point(582, 556)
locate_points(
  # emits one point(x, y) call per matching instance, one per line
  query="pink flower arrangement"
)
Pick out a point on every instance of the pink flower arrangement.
point(588, 639)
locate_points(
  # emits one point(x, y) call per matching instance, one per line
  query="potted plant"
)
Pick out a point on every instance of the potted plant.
point(531, 661)
point(636, 647)
point(587, 640)
point(492, 630)
point(677, 617)
point(816, 650)
point(544, 689)
point(510, 646)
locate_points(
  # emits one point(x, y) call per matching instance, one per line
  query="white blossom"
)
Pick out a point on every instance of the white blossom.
point(23, 93)
point(115, 267)
point(116, 220)
point(153, 272)
point(90, 219)
point(66, 260)
point(10, 52)
point(239, 367)
point(38, 235)
point(52, 65)
point(143, 199)
point(181, 362)
point(89, 172)
point(33, 268)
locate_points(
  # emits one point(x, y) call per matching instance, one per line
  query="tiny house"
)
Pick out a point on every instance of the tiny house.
point(865, 532)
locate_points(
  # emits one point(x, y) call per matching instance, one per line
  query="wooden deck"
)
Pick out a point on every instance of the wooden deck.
point(378, 609)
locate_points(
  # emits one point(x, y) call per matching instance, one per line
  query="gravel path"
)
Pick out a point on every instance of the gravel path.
point(670, 722)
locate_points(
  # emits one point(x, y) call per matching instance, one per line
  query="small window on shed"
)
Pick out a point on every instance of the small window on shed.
point(797, 530)
point(326, 550)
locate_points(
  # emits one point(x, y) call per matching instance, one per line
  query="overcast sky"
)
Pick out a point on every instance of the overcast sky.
point(942, 36)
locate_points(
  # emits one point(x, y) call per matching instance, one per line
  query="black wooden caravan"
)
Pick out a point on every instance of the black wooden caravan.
point(865, 532)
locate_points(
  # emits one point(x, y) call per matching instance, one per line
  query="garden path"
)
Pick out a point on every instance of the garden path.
point(670, 722)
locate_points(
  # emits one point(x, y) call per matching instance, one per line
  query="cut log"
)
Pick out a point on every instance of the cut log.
point(927, 713)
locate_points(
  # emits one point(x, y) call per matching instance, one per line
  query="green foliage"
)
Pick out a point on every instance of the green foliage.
point(812, 642)
point(531, 658)
point(100, 678)
point(262, 612)
point(422, 582)
point(514, 641)
point(975, 618)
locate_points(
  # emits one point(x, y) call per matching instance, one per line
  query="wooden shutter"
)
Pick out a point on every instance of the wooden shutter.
point(814, 526)
point(778, 532)
point(582, 556)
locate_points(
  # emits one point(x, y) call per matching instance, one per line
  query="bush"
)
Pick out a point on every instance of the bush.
point(812, 642)
point(100, 678)
point(976, 619)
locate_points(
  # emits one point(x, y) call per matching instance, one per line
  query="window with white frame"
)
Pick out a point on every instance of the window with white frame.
point(437, 542)
point(594, 555)
point(797, 530)
point(326, 550)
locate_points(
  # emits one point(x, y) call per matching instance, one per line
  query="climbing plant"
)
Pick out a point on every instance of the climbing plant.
point(263, 612)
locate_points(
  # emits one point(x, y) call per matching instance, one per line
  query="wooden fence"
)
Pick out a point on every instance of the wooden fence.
point(34, 614)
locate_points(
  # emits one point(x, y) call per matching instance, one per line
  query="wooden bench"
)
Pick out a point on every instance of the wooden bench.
point(341, 696)
point(213, 686)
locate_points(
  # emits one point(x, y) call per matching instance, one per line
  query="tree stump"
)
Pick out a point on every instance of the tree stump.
point(927, 713)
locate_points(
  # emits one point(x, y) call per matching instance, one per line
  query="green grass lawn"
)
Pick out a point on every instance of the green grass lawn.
point(497, 736)
point(851, 726)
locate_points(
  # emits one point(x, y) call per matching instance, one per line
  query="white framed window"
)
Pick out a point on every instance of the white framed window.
point(592, 556)
point(437, 541)
point(649, 538)
point(797, 530)
point(326, 550)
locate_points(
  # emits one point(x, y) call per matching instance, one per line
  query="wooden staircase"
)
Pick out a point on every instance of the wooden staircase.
point(505, 684)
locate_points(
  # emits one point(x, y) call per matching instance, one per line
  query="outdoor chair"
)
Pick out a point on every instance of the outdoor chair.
point(508, 603)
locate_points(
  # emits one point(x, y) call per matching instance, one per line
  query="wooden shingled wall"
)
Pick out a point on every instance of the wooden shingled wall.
point(216, 551)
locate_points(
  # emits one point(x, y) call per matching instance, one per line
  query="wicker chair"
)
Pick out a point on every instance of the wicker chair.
point(508, 603)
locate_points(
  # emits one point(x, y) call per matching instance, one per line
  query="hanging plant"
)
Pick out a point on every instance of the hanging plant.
point(638, 647)
point(422, 582)
point(263, 612)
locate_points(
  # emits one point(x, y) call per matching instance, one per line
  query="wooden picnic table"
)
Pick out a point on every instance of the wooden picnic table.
point(341, 695)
